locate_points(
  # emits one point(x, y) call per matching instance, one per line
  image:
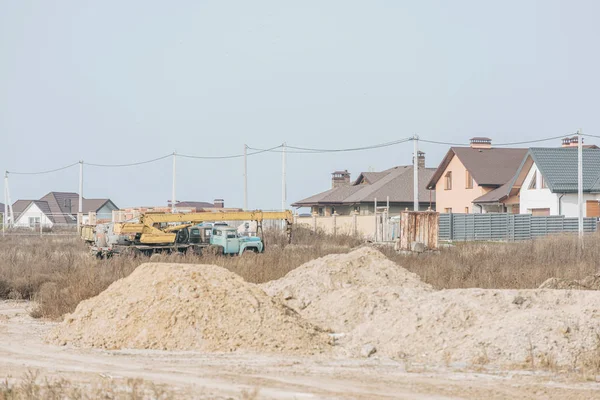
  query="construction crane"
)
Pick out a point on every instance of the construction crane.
point(149, 225)
point(160, 232)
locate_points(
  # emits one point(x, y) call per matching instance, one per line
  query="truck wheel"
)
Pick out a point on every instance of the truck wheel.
point(250, 250)
point(215, 250)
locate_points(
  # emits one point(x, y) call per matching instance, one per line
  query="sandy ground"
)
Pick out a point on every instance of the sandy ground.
point(202, 375)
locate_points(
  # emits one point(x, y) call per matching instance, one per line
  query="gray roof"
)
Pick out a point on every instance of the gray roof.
point(489, 167)
point(496, 195)
point(397, 183)
point(558, 166)
point(20, 205)
point(58, 210)
point(197, 204)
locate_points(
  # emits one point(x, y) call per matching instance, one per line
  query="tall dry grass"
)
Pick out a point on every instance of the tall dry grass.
point(58, 273)
point(518, 265)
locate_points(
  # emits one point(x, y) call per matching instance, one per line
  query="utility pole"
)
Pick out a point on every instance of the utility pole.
point(80, 208)
point(5, 215)
point(245, 177)
point(173, 208)
point(416, 173)
point(283, 180)
point(580, 182)
point(8, 202)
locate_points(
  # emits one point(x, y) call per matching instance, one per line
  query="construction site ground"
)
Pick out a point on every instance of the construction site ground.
point(187, 374)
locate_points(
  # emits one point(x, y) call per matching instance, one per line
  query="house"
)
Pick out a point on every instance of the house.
point(200, 205)
point(59, 208)
point(546, 182)
point(474, 179)
point(346, 197)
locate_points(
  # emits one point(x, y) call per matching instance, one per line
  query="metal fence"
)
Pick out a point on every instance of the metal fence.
point(507, 227)
point(35, 223)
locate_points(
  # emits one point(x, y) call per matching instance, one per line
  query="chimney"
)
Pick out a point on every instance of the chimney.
point(571, 141)
point(481, 143)
point(219, 203)
point(340, 178)
point(421, 159)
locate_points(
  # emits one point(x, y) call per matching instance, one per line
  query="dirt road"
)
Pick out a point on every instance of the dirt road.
point(197, 375)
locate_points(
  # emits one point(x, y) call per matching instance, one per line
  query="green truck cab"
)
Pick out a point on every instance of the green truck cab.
point(227, 241)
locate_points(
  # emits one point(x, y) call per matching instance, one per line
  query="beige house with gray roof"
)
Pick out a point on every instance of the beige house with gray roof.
point(346, 197)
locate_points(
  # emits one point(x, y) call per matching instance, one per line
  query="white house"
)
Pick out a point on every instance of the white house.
point(546, 182)
point(36, 213)
point(59, 209)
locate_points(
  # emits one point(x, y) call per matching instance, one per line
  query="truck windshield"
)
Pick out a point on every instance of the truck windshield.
point(231, 235)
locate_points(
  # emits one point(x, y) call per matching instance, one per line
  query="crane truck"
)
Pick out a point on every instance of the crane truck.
point(181, 232)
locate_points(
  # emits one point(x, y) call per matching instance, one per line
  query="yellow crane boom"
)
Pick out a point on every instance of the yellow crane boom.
point(152, 233)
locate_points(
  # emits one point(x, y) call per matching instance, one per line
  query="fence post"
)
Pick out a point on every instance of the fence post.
point(314, 217)
point(355, 223)
point(334, 215)
point(376, 222)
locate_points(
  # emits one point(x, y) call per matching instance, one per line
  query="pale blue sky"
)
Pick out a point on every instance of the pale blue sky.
point(117, 82)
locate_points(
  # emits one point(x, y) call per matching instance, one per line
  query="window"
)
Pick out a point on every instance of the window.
point(448, 210)
point(320, 211)
point(231, 235)
point(469, 180)
point(448, 180)
point(217, 232)
point(34, 221)
point(466, 210)
point(544, 186)
point(533, 183)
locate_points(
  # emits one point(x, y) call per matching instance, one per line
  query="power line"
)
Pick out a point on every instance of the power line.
point(259, 151)
point(531, 141)
point(44, 172)
point(587, 134)
point(307, 150)
point(496, 144)
point(130, 164)
point(443, 143)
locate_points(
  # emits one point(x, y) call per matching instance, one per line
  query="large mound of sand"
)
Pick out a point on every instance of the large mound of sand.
point(374, 303)
point(182, 306)
point(340, 291)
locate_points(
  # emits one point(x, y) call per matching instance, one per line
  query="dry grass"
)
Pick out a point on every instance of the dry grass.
point(519, 265)
point(58, 273)
point(32, 386)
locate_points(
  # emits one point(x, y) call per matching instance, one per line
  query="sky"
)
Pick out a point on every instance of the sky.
point(117, 82)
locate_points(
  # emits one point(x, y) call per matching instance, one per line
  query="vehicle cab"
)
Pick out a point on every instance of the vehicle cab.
point(228, 239)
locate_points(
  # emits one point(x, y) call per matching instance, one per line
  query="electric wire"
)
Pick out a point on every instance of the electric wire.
point(288, 149)
point(587, 134)
point(259, 151)
point(130, 164)
point(307, 150)
point(43, 172)
point(530, 141)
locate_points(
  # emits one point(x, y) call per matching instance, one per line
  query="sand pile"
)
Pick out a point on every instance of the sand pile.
point(182, 306)
point(375, 305)
point(340, 291)
point(591, 282)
